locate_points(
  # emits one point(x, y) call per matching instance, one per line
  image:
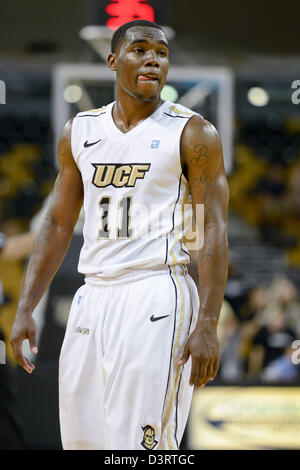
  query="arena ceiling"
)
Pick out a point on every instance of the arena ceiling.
point(232, 27)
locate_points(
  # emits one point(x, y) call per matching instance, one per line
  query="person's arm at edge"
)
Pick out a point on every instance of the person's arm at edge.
point(18, 247)
point(50, 247)
point(202, 159)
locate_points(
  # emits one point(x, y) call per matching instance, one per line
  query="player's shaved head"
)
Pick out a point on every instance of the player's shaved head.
point(120, 33)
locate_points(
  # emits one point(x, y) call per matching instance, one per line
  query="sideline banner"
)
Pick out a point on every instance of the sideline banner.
point(245, 418)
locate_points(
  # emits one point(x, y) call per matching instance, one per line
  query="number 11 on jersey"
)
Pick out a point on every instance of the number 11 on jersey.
point(123, 232)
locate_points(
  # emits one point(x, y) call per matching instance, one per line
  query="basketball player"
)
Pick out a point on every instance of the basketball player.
point(136, 342)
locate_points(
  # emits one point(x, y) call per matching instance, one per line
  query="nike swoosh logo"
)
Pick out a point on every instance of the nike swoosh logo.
point(87, 144)
point(153, 318)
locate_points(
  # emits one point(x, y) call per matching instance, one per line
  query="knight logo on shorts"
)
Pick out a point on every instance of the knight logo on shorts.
point(148, 441)
point(118, 175)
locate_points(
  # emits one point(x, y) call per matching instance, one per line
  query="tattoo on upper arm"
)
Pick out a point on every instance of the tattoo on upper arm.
point(204, 178)
point(207, 180)
point(201, 157)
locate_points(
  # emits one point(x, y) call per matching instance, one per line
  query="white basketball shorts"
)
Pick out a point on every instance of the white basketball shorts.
point(119, 383)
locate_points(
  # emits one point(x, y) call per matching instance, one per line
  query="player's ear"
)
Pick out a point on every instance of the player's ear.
point(112, 62)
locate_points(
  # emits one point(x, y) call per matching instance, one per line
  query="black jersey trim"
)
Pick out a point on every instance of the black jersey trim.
point(167, 247)
point(92, 115)
point(173, 222)
point(182, 117)
point(173, 215)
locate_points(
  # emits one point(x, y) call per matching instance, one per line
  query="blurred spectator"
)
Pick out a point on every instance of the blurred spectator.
point(229, 337)
point(281, 369)
point(258, 298)
point(249, 316)
point(271, 341)
point(284, 291)
point(17, 247)
point(236, 291)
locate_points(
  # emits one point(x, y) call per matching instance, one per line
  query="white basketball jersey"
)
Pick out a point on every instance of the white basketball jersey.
point(134, 191)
